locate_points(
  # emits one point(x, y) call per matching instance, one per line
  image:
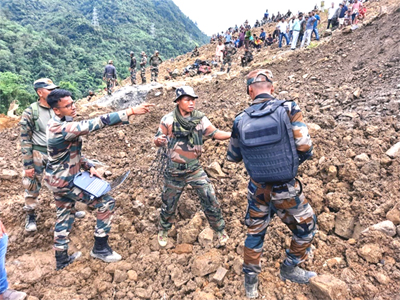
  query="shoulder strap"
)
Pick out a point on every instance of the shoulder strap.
point(35, 113)
point(264, 109)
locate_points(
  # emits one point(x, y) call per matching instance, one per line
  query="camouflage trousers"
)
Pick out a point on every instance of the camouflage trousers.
point(33, 185)
point(133, 76)
point(227, 60)
point(143, 74)
point(175, 181)
point(264, 201)
point(65, 205)
point(154, 73)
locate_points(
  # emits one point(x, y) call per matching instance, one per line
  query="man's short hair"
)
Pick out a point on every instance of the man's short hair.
point(55, 96)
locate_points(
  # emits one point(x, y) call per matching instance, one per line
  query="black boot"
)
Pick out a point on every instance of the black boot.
point(63, 259)
point(251, 285)
point(103, 251)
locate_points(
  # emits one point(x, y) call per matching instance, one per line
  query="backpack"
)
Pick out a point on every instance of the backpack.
point(267, 144)
point(35, 114)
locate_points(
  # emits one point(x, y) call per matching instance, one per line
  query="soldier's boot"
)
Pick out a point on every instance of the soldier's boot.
point(14, 295)
point(63, 259)
point(30, 222)
point(222, 237)
point(251, 285)
point(295, 274)
point(80, 214)
point(162, 237)
point(103, 251)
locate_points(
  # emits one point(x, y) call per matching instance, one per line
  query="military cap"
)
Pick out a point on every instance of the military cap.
point(185, 91)
point(44, 83)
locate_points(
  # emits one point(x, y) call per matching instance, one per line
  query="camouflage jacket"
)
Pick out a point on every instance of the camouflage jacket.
point(30, 136)
point(300, 131)
point(143, 61)
point(133, 63)
point(64, 145)
point(179, 150)
point(228, 52)
point(155, 61)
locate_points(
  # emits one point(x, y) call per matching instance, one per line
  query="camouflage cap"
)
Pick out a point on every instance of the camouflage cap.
point(110, 62)
point(254, 76)
point(185, 91)
point(44, 83)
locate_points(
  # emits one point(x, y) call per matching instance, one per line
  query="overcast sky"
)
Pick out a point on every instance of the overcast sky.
point(214, 16)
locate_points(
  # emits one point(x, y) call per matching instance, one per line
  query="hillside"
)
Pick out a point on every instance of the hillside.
point(57, 39)
point(347, 86)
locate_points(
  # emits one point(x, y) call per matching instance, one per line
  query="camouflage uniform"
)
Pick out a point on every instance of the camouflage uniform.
point(186, 169)
point(246, 58)
point(65, 161)
point(228, 53)
point(34, 151)
point(155, 61)
point(143, 68)
point(265, 200)
point(132, 69)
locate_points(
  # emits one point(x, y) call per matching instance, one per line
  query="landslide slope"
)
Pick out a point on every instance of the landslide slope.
point(347, 87)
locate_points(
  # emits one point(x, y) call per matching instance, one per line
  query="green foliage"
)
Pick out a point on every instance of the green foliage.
point(56, 39)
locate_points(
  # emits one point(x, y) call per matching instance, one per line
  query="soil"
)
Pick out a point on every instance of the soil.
point(348, 88)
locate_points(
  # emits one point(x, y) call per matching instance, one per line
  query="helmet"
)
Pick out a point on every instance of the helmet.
point(110, 62)
point(157, 52)
point(132, 53)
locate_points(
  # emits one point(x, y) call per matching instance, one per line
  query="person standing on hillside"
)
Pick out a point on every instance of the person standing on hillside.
point(282, 26)
point(316, 23)
point(110, 75)
point(195, 52)
point(132, 68)
point(34, 149)
point(310, 19)
point(272, 139)
point(155, 61)
point(143, 63)
point(355, 10)
point(64, 146)
point(342, 14)
point(331, 13)
point(219, 51)
point(229, 51)
point(296, 30)
point(182, 132)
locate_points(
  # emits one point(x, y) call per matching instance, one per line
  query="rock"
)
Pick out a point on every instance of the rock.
point(327, 32)
point(8, 174)
point(398, 230)
point(179, 277)
point(344, 225)
point(187, 235)
point(86, 272)
point(336, 262)
point(120, 276)
point(327, 287)
point(394, 215)
point(394, 151)
point(132, 275)
point(219, 275)
point(387, 227)
point(196, 221)
point(326, 222)
point(183, 248)
point(137, 207)
point(346, 30)
point(357, 93)
point(157, 94)
point(313, 128)
point(32, 298)
point(284, 93)
point(121, 134)
point(144, 293)
point(237, 266)
point(363, 158)
point(350, 153)
point(203, 296)
point(207, 263)
point(382, 278)
point(332, 173)
point(214, 170)
point(206, 237)
point(372, 253)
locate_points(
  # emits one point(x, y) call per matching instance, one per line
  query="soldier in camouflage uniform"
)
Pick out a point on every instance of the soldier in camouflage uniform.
point(229, 51)
point(182, 131)
point(195, 52)
point(143, 63)
point(34, 148)
point(265, 199)
point(132, 68)
point(155, 61)
point(64, 146)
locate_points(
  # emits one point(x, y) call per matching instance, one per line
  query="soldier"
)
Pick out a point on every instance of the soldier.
point(34, 149)
point(182, 131)
point(155, 61)
point(65, 161)
point(195, 52)
point(229, 51)
point(143, 63)
point(110, 75)
point(272, 139)
point(246, 58)
point(132, 68)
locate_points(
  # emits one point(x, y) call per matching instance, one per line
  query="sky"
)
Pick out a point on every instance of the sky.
point(214, 16)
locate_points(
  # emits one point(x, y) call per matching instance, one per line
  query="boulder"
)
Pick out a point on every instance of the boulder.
point(179, 277)
point(207, 263)
point(344, 225)
point(326, 222)
point(387, 227)
point(372, 253)
point(183, 248)
point(394, 151)
point(237, 266)
point(8, 174)
point(144, 293)
point(187, 235)
point(219, 276)
point(327, 287)
point(206, 237)
point(394, 215)
point(214, 170)
point(120, 276)
point(327, 32)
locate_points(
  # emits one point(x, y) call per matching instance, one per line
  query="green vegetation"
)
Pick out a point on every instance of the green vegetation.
point(56, 39)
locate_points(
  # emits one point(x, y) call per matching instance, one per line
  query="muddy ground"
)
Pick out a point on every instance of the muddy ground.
point(349, 90)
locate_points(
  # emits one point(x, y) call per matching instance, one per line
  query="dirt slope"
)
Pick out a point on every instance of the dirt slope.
point(350, 98)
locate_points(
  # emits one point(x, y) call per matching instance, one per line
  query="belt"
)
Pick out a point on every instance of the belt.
point(42, 149)
point(179, 166)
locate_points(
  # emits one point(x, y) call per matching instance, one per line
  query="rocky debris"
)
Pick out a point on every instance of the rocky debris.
point(344, 225)
point(189, 233)
point(394, 151)
point(214, 170)
point(206, 237)
point(394, 214)
point(387, 227)
point(183, 248)
point(372, 253)
point(144, 293)
point(206, 263)
point(326, 222)
point(326, 287)
point(219, 275)
point(8, 174)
